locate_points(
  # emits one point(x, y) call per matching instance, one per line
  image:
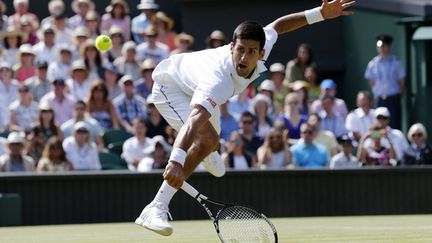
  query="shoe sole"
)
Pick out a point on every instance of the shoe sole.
point(166, 232)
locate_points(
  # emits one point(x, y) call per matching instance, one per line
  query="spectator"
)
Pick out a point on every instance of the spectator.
point(101, 108)
point(117, 40)
point(359, 120)
point(151, 48)
point(45, 49)
point(15, 160)
point(292, 117)
point(81, 152)
point(137, 147)
point(344, 159)
point(144, 84)
point(30, 29)
point(127, 63)
point(323, 137)
point(8, 85)
point(163, 25)
point(80, 114)
point(117, 14)
point(236, 156)
point(183, 43)
point(62, 66)
point(61, 102)
point(93, 60)
point(64, 34)
point(21, 10)
point(295, 68)
point(54, 157)
point(306, 153)
point(419, 152)
point(144, 19)
point(80, 8)
point(111, 77)
point(228, 123)
point(247, 131)
point(330, 120)
point(25, 68)
point(275, 152)
point(277, 75)
point(80, 35)
point(92, 22)
point(129, 105)
point(301, 87)
point(311, 76)
point(55, 7)
point(376, 148)
point(397, 138)
point(261, 107)
point(159, 151)
point(216, 39)
point(39, 84)
point(78, 83)
point(24, 111)
point(386, 76)
point(239, 104)
point(12, 39)
point(328, 88)
point(3, 17)
point(4, 120)
point(156, 124)
point(267, 88)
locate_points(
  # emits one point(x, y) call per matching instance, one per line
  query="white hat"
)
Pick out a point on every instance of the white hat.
point(382, 111)
point(277, 68)
point(126, 78)
point(26, 48)
point(45, 106)
point(76, 2)
point(155, 140)
point(264, 98)
point(15, 137)
point(267, 85)
point(147, 4)
point(81, 126)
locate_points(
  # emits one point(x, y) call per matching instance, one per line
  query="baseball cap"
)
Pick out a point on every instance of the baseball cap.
point(277, 68)
point(81, 126)
point(41, 64)
point(328, 84)
point(267, 85)
point(382, 111)
point(126, 78)
point(15, 137)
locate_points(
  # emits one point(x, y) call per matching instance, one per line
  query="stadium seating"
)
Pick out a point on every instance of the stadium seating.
point(115, 135)
point(111, 161)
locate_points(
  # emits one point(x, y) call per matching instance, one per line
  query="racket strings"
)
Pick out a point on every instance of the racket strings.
point(241, 224)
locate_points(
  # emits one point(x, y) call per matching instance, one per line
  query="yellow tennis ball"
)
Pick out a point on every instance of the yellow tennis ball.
point(103, 42)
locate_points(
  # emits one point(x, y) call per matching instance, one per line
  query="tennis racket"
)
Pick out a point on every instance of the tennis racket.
point(235, 223)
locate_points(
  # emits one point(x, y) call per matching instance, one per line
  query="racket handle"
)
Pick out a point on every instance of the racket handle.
point(189, 189)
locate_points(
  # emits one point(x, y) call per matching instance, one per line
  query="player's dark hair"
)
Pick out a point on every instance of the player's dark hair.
point(250, 30)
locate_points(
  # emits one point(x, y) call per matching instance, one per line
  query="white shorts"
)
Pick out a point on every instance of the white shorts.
point(175, 105)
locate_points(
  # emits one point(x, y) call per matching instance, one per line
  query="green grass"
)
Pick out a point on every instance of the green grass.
point(411, 228)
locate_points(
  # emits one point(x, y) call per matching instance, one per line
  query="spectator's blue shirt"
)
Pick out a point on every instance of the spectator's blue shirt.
point(315, 156)
point(139, 23)
point(228, 125)
point(333, 123)
point(293, 131)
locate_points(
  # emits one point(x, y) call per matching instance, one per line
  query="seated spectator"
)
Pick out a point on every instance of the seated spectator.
point(81, 152)
point(275, 152)
point(61, 102)
point(12, 39)
point(78, 84)
point(8, 85)
point(183, 43)
point(228, 123)
point(64, 35)
point(277, 75)
point(92, 22)
point(61, 66)
point(144, 84)
point(215, 39)
point(330, 120)
point(93, 60)
point(306, 153)
point(54, 157)
point(55, 7)
point(80, 35)
point(311, 77)
point(101, 108)
point(29, 27)
point(127, 63)
point(235, 156)
point(295, 68)
point(24, 111)
point(397, 138)
point(292, 117)
point(268, 89)
point(261, 107)
point(156, 124)
point(345, 159)
point(137, 147)
point(25, 68)
point(328, 88)
point(239, 104)
point(419, 152)
point(129, 105)
point(163, 26)
point(111, 78)
point(15, 160)
point(80, 114)
point(300, 87)
point(117, 14)
point(21, 8)
point(117, 39)
point(376, 148)
point(80, 8)
point(248, 134)
point(159, 152)
point(323, 137)
point(359, 120)
point(45, 49)
point(151, 48)
point(39, 84)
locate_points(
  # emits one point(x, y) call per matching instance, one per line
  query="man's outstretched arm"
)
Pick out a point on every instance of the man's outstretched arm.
point(328, 10)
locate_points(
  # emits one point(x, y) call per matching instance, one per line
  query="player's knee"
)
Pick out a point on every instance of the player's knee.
point(208, 142)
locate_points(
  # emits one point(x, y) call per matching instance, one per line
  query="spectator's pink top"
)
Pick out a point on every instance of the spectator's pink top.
point(21, 74)
point(124, 24)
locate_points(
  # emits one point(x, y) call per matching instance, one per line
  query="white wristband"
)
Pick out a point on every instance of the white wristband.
point(314, 15)
point(178, 155)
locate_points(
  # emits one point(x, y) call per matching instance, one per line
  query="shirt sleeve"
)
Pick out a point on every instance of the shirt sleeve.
point(211, 95)
point(271, 38)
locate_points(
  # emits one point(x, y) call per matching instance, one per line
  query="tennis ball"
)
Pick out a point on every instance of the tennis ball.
point(103, 42)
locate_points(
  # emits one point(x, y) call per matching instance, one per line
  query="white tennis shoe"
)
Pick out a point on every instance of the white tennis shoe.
point(155, 218)
point(214, 164)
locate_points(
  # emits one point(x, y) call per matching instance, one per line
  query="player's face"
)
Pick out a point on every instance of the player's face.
point(246, 54)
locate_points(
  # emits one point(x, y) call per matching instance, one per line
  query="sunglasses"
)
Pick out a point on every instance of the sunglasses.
point(307, 132)
point(382, 118)
point(417, 135)
point(247, 122)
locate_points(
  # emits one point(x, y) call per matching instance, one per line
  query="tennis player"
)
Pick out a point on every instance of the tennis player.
point(190, 87)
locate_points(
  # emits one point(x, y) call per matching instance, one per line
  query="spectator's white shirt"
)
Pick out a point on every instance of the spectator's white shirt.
point(340, 161)
point(358, 121)
point(398, 140)
point(64, 36)
point(44, 53)
point(63, 109)
point(79, 91)
point(58, 69)
point(26, 116)
point(158, 54)
point(339, 108)
point(134, 150)
point(84, 158)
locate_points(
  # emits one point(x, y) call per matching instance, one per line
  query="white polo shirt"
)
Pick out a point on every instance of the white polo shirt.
point(209, 76)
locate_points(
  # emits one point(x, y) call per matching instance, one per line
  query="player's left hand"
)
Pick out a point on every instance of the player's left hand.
point(336, 8)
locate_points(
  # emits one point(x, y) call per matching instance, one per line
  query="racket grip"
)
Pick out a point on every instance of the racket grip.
point(189, 189)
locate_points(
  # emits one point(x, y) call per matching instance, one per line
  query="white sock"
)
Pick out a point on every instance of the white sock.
point(165, 193)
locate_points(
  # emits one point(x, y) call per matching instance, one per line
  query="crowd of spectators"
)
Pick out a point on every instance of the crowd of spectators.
point(59, 94)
